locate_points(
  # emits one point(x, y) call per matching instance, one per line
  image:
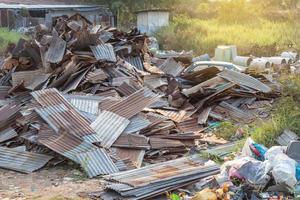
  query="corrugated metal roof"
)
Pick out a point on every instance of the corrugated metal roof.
point(171, 67)
point(25, 162)
point(155, 81)
point(132, 141)
point(7, 134)
point(29, 78)
point(234, 112)
point(286, 137)
point(104, 52)
point(136, 61)
point(56, 49)
point(109, 126)
point(137, 123)
point(244, 79)
point(189, 126)
point(203, 116)
point(136, 156)
point(176, 116)
point(8, 113)
point(134, 103)
point(127, 89)
point(96, 76)
point(59, 113)
point(93, 159)
point(85, 105)
point(158, 143)
point(96, 162)
point(163, 171)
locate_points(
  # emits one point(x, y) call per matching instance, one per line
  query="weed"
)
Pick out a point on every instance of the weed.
point(7, 37)
point(226, 130)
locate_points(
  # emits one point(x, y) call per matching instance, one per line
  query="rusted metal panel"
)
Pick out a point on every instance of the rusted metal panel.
point(134, 103)
point(96, 76)
point(137, 123)
point(25, 162)
point(171, 67)
point(109, 126)
point(234, 112)
point(136, 61)
point(85, 105)
point(8, 114)
point(245, 80)
point(104, 52)
point(93, 159)
point(28, 77)
point(127, 89)
point(7, 134)
point(136, 156)
point(203, 116)
point(158, 143)
point(163, 171)
point(189, 126)
point(132, 141)
point(176, 116)
point(155, 81)
point(286, 137)
point(59, 113)
point(56, 49)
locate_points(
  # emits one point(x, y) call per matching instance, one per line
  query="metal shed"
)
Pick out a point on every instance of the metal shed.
point(149, 21)
point(15, 16)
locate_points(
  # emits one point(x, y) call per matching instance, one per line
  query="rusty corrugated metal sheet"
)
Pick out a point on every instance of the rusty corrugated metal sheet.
point(234, 112)
point(245, 80)
point(59, 113)
point(86, 105)
point(158, 143)
point(136, 61)
point(96, 76)
point(30, 79)
point(137, 123)
point(132, 141)
point(134, 103)
point(8, 113)
point(104, 52)
point(171, 67)
point(157, 178)
point(93, 159)
point(203, 116)
point(136, 156)
point(189, 126)
point(56, 49)
point(176, 116)
point(7, 134)
point(127, 89)
point(25, 162)
point(109, 126)
point(155, 81)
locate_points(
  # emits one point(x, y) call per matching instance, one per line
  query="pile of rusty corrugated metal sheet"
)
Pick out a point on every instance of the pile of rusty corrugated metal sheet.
point(98, 97)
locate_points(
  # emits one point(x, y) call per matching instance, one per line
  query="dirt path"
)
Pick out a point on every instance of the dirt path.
point(55, 183)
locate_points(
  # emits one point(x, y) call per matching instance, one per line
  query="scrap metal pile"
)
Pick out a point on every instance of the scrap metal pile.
point(98, 97)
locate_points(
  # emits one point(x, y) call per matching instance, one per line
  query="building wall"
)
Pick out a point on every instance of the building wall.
point(149, 22)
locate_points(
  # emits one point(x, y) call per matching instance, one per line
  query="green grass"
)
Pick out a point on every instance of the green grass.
point(7, 37)
point(259, 37)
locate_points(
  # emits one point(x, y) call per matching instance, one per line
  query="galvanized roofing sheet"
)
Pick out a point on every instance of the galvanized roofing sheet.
point(96, 76)
point(56, 49)
point(162, 171)
point(176, 116)
point(171, 67)
point(136, 61)
point(59, 113)
point(85, 105)
point(30, 79)
point(136, 156)
point(245, 80)
point(127, 89)
point(93, 159)
point(26, 162)
point(158, 143)
point(155, 81)
point(109, 126)
point(134, 103)
point(132, 141)
point(8, 113)
point(189, 126)
point(104, 52)
point(7, 134)
point(137, 123)
point(286, 137)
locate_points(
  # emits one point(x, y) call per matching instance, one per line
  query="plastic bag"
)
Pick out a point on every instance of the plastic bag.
point(283, 167)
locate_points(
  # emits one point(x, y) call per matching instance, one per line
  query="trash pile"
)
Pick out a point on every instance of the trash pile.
point(98, 97)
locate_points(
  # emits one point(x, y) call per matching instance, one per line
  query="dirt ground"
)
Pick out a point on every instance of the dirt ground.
point(55, 183)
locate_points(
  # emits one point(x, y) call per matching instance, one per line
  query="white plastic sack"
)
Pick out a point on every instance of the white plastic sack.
point(283, 167)
point(246, 151)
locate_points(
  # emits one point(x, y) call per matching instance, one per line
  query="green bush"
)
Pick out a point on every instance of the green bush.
point(7, 37)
